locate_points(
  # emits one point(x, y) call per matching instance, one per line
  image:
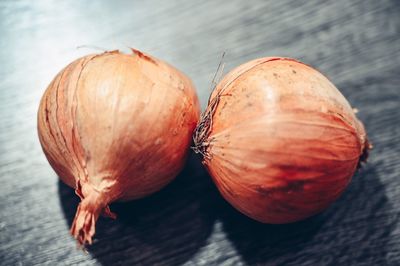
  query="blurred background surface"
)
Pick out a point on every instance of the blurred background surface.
point(355, 43)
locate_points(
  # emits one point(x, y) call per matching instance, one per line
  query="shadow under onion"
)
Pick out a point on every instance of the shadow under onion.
point(344, 233)
point(165, 228)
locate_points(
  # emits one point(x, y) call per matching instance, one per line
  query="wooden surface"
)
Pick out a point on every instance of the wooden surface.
point(355, 43)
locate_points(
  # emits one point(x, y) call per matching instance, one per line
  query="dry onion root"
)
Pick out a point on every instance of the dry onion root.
point(279, 140)
point(116, 127)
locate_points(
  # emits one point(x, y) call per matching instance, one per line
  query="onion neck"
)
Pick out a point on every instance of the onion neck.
point(92, 205)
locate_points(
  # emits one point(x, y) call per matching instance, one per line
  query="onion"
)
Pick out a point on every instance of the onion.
point(116, 127)
point(279, 140)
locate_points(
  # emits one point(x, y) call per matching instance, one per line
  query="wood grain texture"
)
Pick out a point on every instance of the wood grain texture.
point(355, 43)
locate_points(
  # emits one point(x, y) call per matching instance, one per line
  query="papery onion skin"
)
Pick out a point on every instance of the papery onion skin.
point(279, 140)
point(116, 127)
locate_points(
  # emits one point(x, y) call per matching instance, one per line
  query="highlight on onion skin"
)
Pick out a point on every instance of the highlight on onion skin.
point(279, 140)
point(116, 127)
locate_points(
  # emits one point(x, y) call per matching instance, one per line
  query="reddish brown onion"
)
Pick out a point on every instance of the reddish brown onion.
point(279, 140)
point(116, 127)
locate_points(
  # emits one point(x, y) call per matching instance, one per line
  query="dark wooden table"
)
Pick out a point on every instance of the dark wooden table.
point(355, 43)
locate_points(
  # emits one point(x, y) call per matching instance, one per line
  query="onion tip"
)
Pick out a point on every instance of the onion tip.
point(83, 226)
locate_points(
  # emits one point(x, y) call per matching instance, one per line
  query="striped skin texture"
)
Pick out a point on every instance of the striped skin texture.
point(283, 143)
point(116, 127)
